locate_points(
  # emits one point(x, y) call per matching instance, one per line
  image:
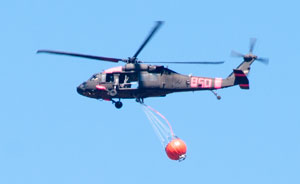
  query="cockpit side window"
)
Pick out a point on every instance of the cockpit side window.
point(109, 78)
point(103, 78)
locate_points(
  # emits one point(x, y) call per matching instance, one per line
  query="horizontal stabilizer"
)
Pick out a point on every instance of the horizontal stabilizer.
point(241, 79)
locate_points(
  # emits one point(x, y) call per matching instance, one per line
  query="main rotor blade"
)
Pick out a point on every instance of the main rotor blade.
point(157, 26)
point(80, 55)
point(252, 44)
point(189, 62)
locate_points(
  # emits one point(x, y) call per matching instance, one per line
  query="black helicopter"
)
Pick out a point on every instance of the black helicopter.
point(138, 80)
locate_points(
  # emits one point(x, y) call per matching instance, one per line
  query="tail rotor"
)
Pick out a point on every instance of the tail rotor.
point(250, 56)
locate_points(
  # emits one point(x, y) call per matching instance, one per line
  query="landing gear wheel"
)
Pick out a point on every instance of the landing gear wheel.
point(216, 94)
point(118, 105)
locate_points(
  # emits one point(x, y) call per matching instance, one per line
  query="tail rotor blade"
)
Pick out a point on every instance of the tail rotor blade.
point(263, 60)
point(236, 54)
point(252, 44)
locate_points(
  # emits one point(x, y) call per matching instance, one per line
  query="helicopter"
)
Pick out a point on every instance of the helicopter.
point(139, 80)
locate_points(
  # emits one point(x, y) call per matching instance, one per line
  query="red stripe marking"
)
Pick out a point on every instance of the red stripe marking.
point(244, 85)
point(100, 87)
point(117, 69)
point(239, 75)
point(218, 83)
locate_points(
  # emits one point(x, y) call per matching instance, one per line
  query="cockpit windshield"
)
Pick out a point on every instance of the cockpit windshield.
point(94, 77)
point(98, 77)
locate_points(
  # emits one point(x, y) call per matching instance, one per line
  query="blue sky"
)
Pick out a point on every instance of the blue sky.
point(50, 134)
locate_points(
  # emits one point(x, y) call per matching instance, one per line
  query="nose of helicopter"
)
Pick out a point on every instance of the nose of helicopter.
point(80, 89)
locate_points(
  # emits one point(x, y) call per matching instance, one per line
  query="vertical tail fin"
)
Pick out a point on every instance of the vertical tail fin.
point(241, 79)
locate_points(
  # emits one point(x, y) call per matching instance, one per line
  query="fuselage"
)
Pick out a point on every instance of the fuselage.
point(142, 81)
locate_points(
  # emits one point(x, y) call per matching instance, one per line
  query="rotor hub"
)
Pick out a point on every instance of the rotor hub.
point(132, 60)
point(249, 57)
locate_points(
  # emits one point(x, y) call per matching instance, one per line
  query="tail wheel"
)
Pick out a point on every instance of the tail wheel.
point(118, 105)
